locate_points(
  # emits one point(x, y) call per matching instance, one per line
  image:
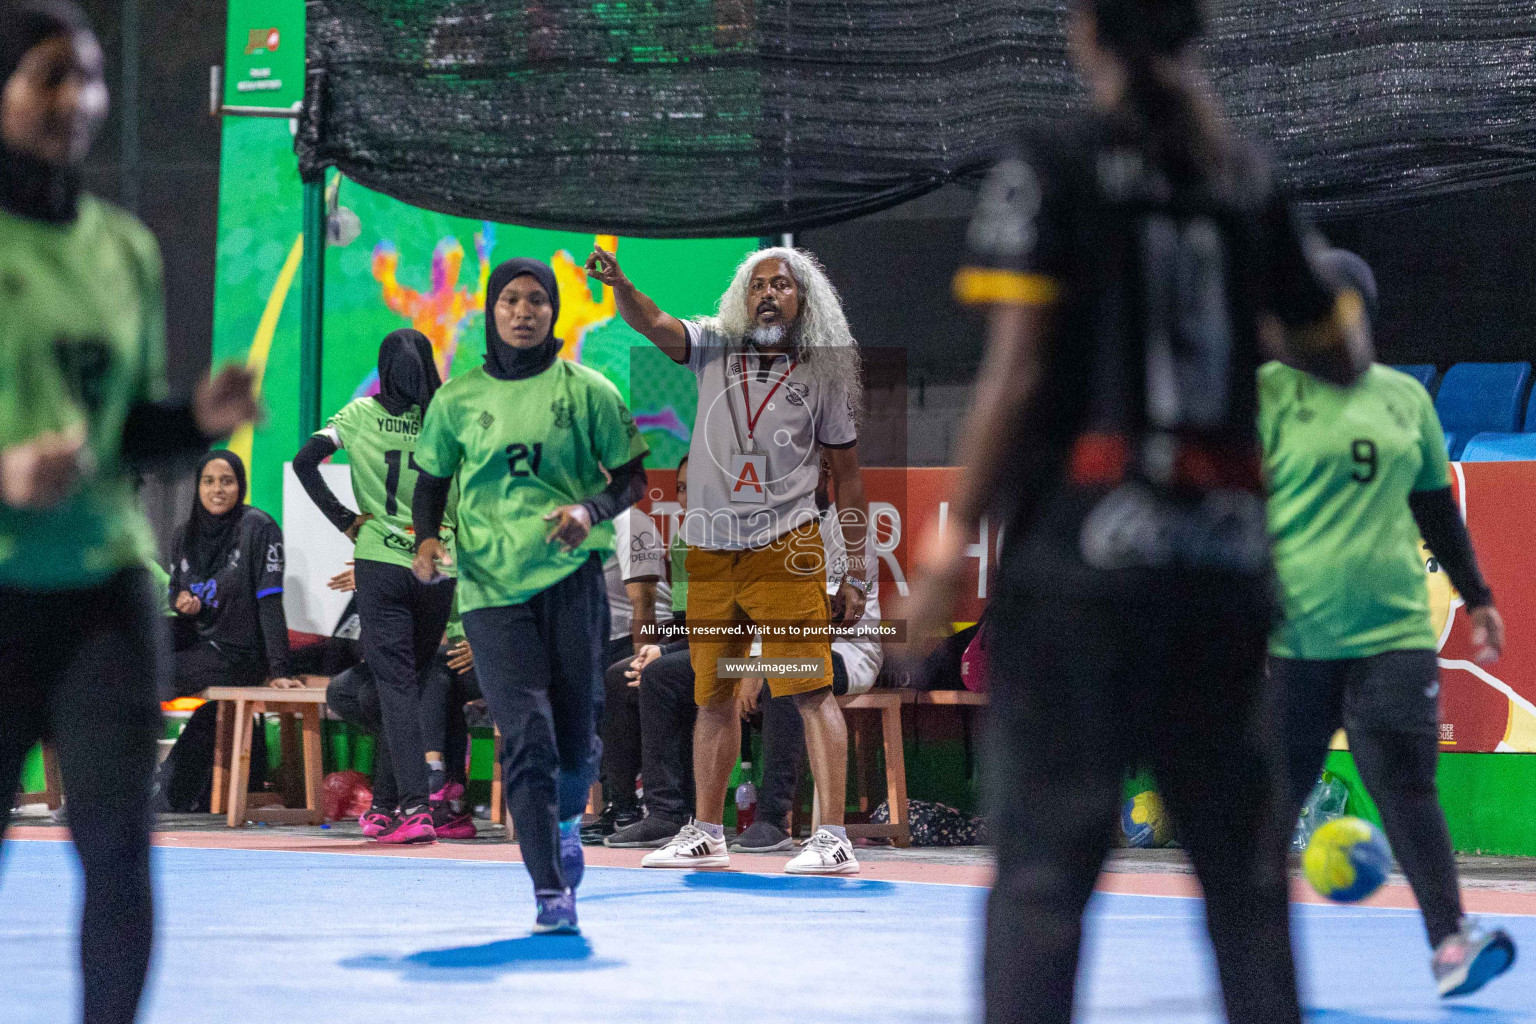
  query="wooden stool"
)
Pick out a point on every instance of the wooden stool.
point(232, 751)
point(888, 703)
point(498, 797)
point(52, 792)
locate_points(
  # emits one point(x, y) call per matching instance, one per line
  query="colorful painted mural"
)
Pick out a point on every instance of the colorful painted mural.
point(409, 267)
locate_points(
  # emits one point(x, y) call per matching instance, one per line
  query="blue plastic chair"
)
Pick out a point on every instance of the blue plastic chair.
point(1476, 398)
point(1424, 373)
point(1500, 448)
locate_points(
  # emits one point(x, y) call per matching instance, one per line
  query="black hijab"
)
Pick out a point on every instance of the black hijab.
point(208, 538)
point(507, 362)
point(407, 372)
point(29, 187)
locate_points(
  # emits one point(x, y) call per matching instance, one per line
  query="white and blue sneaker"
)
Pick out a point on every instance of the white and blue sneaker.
point(557, 913)
point(1470, 959)
point(825, 853)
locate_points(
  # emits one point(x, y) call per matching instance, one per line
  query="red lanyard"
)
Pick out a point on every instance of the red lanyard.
point(746, 400)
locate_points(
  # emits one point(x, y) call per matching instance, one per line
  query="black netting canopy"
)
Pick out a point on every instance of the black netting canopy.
point(743, 117)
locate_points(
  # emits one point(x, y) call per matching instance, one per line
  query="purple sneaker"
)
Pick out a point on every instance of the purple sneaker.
point(557, 914)
point(573, 863)
point(411, 828)
point(376, 822)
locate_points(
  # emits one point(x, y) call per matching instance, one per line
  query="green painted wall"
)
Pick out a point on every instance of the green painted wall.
point(1489, 800)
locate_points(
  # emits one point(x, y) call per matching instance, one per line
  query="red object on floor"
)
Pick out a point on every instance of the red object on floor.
point(346, 795)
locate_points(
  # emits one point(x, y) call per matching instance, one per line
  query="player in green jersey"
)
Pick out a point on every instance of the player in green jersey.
point(82, 382)
point(530, 439)
point(402, 618)
point(1355, 476)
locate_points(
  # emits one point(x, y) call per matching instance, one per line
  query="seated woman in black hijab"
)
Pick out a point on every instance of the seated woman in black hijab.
point(227, 592)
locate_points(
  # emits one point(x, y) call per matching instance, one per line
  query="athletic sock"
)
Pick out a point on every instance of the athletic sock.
point(837, 830)
point(570, 825)
point(714, 831)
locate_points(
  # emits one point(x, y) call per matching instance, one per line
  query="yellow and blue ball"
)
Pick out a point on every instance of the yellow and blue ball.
point(1347, 859)
point(1144, 821)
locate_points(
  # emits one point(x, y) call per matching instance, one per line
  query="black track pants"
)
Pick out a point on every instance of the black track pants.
point(1389, 705)
point(540, 666)
point(402, 622)
point(620, 726)
point(84, 668)
point(1082, 688)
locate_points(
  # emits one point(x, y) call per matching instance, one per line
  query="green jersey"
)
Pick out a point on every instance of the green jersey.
point(162, 581)
point(519, 449)
point(679, 574)
point(82, 340)
point(1340, 465)
point(381, 450)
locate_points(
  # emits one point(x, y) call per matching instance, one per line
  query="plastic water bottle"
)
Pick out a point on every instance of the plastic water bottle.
point(746, 800)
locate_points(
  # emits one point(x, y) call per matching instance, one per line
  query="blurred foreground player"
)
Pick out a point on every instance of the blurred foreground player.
point(1131, 271)
point(82, 353)
point(1356, 476)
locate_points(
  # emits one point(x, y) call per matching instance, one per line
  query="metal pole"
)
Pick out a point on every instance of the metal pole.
point(312, 322)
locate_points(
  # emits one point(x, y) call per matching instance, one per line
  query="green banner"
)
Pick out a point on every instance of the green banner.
point(264, 53)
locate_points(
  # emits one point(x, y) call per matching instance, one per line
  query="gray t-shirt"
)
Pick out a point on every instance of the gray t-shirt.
point(638, 553)
point(754, 458)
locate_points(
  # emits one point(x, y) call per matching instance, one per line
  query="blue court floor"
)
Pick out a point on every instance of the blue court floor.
point(258, 936)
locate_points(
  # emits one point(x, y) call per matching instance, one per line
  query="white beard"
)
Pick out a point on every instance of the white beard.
point(769, 336)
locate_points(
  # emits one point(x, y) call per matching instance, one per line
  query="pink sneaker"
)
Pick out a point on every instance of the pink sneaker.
point(451, 824)
point(375, 822)
point(450, 793)
point(417, 828)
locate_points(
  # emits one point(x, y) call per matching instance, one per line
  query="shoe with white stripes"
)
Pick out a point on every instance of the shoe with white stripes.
point(690, 848)
point(823, 854)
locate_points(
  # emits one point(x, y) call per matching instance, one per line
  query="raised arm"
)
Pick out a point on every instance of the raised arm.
point(663, 330)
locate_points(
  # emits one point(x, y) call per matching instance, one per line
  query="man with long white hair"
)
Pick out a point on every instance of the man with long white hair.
point(779, 384)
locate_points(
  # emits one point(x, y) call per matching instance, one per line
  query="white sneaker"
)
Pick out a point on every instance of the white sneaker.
point(690, 848)
point(823, 854)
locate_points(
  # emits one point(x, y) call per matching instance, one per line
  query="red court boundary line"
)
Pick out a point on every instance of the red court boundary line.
point(1171, 884)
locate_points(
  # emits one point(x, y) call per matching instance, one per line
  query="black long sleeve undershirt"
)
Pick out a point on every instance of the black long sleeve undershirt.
point(428, 503)
point(626, 485)
point(160, 436)
point(306, 466)
point(430, 499)
point(1442, 528)
point(274, 634)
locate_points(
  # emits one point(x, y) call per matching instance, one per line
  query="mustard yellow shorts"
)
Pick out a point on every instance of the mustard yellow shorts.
point(780, 586)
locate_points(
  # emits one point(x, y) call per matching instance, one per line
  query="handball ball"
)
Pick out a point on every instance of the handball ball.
point(1143, 821)
point(346, 795)
point(1347, 859)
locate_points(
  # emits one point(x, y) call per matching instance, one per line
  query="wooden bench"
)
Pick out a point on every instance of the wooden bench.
point(232, 751)
point(888, 704)
point(951, 698)
point(52, 793)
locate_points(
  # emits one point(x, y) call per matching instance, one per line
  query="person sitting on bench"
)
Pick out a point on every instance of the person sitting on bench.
point(227, 591)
